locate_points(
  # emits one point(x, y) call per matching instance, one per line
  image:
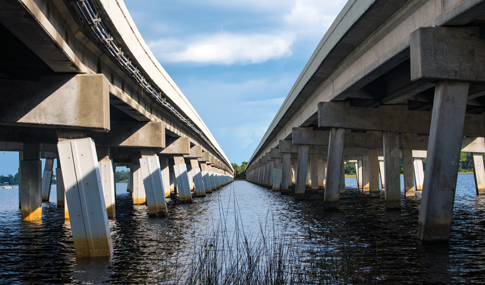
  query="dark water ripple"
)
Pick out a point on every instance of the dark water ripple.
point(381, 245)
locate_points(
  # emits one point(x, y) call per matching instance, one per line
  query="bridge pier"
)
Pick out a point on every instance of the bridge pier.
point(87, 209)
point(129, 186)
point(442, 160)
point(479, 173)
point(365, 174)
point(197, 176)
point(153, 184)
point(31, 185)
point(301, 175)
point(138, 192)
point(107, 179)
point(342, 178)
point(61, 192)
point(418, 174)
point(314, 162)
point(334, 168)
point(321, 173)
point(47, 179)
point(182, 179)
point(382, 172)
point(206, 177)
point(165, 171)
point(277, 175)
point(407, 161)
point(374, 173)
point(286, 172)
point(358, 173)
point(392, 170)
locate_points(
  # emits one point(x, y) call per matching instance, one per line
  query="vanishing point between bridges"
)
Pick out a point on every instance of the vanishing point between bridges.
point(394, 87)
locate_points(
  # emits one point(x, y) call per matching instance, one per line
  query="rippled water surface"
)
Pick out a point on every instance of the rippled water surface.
point(380, 245)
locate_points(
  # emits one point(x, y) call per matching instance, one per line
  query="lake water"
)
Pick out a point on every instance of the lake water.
point(376, 245)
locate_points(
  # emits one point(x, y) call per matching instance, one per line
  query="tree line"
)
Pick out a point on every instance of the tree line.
point(239, 170)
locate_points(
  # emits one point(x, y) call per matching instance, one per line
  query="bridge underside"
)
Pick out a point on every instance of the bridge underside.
point(389, 80)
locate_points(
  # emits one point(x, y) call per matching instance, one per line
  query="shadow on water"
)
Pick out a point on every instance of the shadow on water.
point(362, 242)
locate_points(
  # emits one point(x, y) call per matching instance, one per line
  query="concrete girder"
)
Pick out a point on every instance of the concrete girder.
point(149, 134)
point(180, 146)
point(195, 152)
point(66, 101)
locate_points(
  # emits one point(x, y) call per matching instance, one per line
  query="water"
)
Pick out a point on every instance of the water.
point(381, 245)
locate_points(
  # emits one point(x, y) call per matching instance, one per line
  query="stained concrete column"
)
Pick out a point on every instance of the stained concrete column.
point(314, 172)
point(61, 192)
point(197, 175)
point(308, 183)
point(85, 198)
point(129, 187)
point(444, 145)
point(294, 171)
point(342, 178)
point(324, 174)
point(479, 173)
point(165, 171)
point(47, 179)
point(321, 173)
point(286, 172)
point(189, 174)
point(31, 185)
point(407, 161)
point(153, 184)
point(206, 180)
point(359, 173)
point(107, 179)
point(335, 160)
point(418, 174)
point(374, 172)
point(392, 170)
point(365, 174)
point(138, 192)
point(277, 175)
point(302, 171)
point(21, 157)
point(382, 172)
point(182, 178)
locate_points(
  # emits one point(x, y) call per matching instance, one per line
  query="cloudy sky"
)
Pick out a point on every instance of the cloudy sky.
point(235, 61)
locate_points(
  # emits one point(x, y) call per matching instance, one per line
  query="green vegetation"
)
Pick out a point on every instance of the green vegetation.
point(239, 170)
point(10, 179)
point(122, 176)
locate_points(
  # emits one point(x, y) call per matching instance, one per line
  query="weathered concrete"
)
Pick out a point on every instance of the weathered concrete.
point(107, 180)
point(418, 174)
point(153, 184)
point(197, 176)
point(183, 186)
point(382, 172)
point(373, 172)
point(407, 161)
point(31, 184)
point(47, 179)
point(359, 173)
point(165, 170)
point(437, 200)
point(334, 168)
point(87, 210)
point(301, 176)
point(479, 173)
point(286, 172)
point(365, 174)
point(392, 170)
point(277, 175)
point(138, 192)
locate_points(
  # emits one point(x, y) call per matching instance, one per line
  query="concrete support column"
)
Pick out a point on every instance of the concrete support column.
point(153, 184)
point(342, 178)
point(197, 175)
point(286, 171)
point(47, 179)
point(165, 170)
point(418, 174)
point(407, 161)
point(444, 146)
point(321, 173)
point(212, 179)
point(308, 183)
point(21, 157)
point(138, 192)
point(365, 174)
point(374, 172)
point(302, 171)
point(129, 187)
point(206, 178)
point(359, 173)
point(182, 178)
point(277, 175)
point(294, 171)
point(392, 170)
point(107, 179)
point(382, 171)
point(479, 173)
point(335, 160)
point(190, 175)
point(61, 192)
point(314, 172)
point(87, 209)
point(31, 185)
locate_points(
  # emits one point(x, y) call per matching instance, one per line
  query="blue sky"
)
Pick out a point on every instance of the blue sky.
point(235, 61)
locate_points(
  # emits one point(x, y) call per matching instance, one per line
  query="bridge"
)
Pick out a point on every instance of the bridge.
point(80, 85)
point(390, 80)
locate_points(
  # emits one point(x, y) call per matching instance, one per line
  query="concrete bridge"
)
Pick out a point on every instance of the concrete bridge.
point(390, 79)
point(78, 83)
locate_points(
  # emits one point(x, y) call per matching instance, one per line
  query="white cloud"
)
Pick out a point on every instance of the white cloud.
point(242, 136)
point(224, 48)
point(313, 16)
point(265, 103)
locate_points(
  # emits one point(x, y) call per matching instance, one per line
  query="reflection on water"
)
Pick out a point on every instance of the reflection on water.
point(382, 245)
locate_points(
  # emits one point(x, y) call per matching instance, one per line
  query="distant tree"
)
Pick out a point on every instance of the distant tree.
point(243, 165)
point(122, 176)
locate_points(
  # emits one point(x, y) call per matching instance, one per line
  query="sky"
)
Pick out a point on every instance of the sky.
point(235, 61)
